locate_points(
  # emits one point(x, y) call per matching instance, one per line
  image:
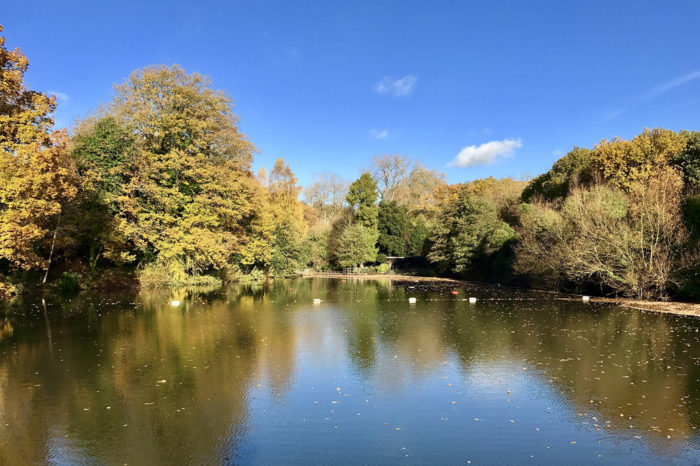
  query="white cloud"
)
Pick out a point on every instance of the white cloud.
point(396, 87)
point(60, 96)
point(383, 134)
point(486, 153)
point(670, 85)
point(610, 114)
point(651, 93)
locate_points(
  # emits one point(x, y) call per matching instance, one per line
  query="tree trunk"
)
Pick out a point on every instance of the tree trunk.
point(53, 244)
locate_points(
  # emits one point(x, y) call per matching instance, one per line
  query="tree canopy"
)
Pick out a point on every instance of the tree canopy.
point(362, 195)
point(36, 176)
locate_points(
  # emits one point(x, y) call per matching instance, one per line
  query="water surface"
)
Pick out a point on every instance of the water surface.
point(261, 375)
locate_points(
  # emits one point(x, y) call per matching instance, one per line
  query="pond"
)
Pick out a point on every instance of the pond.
point(259, 374)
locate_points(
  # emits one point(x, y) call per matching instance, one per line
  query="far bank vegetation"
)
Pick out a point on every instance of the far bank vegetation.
point(157, 186)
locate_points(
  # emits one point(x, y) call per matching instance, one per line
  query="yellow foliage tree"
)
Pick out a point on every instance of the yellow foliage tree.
point(625, 162)
point(289, 223)
point(187, 202)
point(36, 176)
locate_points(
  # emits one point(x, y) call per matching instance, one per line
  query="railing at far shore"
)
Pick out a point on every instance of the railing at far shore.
point(350, 272)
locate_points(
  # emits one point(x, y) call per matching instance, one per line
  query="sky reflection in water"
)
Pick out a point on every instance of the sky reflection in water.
point(259, 374)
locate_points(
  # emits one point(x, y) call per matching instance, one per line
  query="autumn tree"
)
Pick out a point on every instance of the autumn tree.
point(468, 228)
point(572, 169)
point(188, 203)
point(390, 172)
point(36, 176)
point(625, 162)
point(288, 215)
point(408, 183)
point(627, 242)
point(326, 194)
point(417, 191)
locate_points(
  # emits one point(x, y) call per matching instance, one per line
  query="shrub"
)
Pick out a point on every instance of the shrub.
point(255, 275)
point(154, 275)
point(383, 268)
point(631, 243)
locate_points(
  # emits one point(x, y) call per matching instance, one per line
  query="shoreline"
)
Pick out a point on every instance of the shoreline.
point(665, 307)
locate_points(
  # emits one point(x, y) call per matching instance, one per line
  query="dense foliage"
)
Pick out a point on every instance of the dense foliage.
point(470, 234)
point(158, 186)
point(393, 228)
point(628, 229)
point(36, 176)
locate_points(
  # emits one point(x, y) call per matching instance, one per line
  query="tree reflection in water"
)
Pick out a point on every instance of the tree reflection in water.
point(131, 379)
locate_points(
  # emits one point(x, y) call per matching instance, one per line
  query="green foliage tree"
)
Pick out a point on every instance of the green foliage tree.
point(104, 152)
point(417, 239)
point(691, 214)
point(187, 203)
point(573, 168)
point(333, 246)
point(393, 228)
point(467, 228)
point(362, 195)
point(316, 250)
point(688, 160)
point(287, 256)
point(357, 246)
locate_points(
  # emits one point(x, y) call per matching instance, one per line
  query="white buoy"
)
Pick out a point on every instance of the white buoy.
point(586, 299)
point(472, 300)
point(174, 303)
point(412, 300)
point(317, 301)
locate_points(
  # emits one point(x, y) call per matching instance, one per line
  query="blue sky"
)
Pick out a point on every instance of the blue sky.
point(506, 86)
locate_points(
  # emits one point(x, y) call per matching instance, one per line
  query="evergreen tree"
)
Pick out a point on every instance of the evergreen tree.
point(362, 195)
point(393, 228)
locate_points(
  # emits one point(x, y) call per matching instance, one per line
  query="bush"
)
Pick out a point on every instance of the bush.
point(630, 243)
point(153, 276)
point(383, 268)
point(255, 275)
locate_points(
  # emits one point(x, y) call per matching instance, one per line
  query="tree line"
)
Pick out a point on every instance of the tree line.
point(157, 185)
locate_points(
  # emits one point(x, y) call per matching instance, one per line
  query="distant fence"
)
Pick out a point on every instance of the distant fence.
point(345, 272)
